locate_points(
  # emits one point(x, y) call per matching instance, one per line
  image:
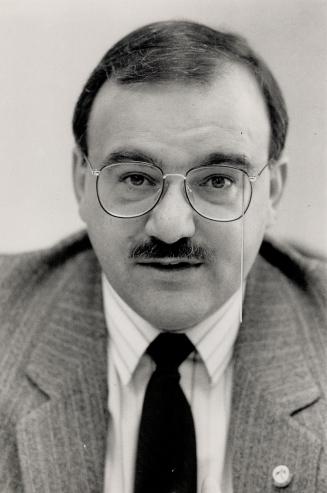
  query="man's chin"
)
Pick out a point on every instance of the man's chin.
point(175, 310)
point(174, 318)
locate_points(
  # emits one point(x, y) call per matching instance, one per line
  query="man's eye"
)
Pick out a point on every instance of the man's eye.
point(136, 180)
point(218, 181)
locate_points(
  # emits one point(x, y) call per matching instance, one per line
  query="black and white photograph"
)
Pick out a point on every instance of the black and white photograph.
point(163, 280)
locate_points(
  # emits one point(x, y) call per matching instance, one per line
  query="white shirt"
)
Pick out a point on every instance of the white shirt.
point(206, 379)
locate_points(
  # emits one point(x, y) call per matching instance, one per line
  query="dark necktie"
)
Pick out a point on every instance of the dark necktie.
point(166, 452)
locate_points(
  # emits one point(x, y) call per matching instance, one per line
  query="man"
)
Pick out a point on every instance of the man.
point(124, 364)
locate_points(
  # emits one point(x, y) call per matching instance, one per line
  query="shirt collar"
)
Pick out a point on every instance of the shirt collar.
point(130, 334)
point(215, 336)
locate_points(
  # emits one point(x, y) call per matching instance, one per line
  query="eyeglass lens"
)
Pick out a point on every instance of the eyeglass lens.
point(215, 192)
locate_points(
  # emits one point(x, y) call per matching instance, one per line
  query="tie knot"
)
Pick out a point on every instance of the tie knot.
point(169, 350)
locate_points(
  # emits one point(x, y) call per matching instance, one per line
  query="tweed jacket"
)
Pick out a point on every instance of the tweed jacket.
point(53, 373)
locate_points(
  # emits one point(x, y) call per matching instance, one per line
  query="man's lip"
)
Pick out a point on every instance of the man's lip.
point(170, 262)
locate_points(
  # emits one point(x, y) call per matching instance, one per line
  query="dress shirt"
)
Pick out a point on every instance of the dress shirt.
point(206, 379)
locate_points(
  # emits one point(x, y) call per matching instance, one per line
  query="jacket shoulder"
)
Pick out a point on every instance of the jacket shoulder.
point(303, 269)
point(29, 280)
point(26, 268)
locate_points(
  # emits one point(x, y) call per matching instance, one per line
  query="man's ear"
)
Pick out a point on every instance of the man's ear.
point(278, 178)
point(79, 177)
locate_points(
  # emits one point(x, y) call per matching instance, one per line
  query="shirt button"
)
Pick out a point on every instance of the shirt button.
point(281, 476)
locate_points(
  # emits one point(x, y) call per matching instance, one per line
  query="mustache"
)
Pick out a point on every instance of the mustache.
point(184, 248)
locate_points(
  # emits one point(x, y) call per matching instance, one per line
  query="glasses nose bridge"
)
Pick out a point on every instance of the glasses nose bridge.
point(180, 176)
point(166, 175)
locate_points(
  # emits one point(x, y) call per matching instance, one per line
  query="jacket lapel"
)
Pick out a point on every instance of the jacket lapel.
point(272, 385)
point(62, 442)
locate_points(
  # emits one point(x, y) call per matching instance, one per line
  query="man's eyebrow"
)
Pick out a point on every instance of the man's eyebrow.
point(233, 159)
point(130, 155)
point(138, 156)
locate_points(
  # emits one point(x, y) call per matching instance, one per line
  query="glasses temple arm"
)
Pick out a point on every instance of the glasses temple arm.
point(95, 172)
point(254, 178)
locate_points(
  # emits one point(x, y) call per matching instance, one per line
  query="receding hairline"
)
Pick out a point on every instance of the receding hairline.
point(183, 52)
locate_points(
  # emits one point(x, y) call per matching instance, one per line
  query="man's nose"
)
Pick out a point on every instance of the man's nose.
point(173, 217)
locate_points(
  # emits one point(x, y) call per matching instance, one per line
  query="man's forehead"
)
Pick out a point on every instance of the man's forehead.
point(230, 109)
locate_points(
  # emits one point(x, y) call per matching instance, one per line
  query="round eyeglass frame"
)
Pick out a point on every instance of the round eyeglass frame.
point(251, 178)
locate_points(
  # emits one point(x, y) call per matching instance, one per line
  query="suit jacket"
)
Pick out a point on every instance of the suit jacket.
point(53, 373)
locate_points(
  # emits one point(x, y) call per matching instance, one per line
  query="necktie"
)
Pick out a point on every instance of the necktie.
point(166, 451)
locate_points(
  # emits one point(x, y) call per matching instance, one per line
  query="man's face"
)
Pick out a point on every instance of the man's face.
point(178, 127)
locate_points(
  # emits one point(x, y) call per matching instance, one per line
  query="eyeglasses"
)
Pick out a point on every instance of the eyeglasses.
point(218, 192)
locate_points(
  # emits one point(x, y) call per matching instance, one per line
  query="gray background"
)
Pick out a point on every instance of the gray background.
point(47, 49)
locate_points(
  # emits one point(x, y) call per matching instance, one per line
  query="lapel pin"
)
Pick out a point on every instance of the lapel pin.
point(281, 476)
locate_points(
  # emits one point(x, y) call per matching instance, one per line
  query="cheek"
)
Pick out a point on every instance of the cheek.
point(112, 240)
point(255, 224)
point(89, 207)
point(104, 230)
point(225, 242)
point(257, 216)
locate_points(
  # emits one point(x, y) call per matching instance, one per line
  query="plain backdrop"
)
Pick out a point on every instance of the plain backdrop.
point(47, 50)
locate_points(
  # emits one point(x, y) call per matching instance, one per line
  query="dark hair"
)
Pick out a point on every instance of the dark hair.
point(180, 51)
